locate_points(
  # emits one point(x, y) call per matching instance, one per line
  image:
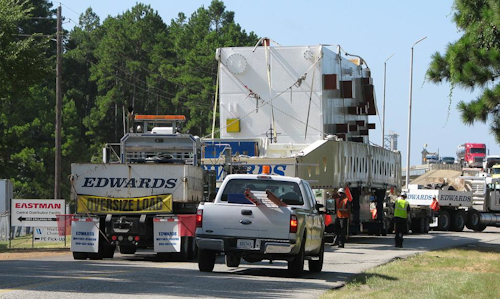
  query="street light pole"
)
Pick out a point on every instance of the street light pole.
point(409, 116)
point(383, 105)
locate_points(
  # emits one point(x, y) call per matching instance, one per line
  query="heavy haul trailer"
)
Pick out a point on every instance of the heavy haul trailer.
point(145, 200)
point(305, 111)
point(476, 207)
point(330, 164)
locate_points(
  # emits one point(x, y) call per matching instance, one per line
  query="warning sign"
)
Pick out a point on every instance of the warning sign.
point(49, 234)
point(110, 205)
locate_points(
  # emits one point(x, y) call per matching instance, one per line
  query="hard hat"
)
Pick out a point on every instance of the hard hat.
point(341, 190)
point(403, 194)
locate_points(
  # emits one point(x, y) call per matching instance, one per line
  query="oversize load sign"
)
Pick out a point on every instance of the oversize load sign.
point(110, 205)
point(36, 212)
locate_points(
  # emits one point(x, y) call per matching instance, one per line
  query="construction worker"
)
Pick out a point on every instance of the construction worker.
point(435, 205)
point(342, 209)
point(401, 213)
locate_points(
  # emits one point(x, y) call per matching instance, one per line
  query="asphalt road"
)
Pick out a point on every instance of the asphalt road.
point(139, 277)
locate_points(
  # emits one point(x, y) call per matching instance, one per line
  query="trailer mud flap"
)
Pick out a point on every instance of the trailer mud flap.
point(85, 234)
point(166, 233)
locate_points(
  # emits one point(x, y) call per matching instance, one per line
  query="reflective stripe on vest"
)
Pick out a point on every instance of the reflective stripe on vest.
point(400, 208)
point(342, 211)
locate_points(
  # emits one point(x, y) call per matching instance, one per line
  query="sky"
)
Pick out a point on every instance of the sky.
point(373, 30)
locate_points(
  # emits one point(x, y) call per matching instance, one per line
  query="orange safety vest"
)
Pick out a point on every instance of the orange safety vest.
point(435, 206)
point(342, 211)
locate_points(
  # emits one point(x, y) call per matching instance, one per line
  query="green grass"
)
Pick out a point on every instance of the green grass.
point(25, 242)
point(469, 272)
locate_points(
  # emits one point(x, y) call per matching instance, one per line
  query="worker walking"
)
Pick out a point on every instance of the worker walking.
point(401, 212)
point(342, 209)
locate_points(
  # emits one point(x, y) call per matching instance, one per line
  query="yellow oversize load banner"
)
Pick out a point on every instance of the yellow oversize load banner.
point(110, 205)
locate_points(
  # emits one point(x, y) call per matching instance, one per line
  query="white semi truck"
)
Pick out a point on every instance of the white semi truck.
point(476, 207)
point(146, 199)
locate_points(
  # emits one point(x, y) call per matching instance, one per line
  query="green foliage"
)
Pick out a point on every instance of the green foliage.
point(132, 59)
point(474, 60)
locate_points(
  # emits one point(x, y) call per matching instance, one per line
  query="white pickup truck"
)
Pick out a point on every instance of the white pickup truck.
point(261, 217)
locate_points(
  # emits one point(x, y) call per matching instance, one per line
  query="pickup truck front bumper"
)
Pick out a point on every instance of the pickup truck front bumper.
point(262, 246)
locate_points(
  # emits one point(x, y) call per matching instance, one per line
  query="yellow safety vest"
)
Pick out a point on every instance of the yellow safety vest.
point(400, 208)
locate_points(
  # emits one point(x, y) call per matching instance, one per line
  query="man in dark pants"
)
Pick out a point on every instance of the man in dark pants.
point(342, 209)
point(401, 212)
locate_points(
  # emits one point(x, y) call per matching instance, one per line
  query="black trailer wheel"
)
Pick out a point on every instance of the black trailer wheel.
point(317, 265)
point(95, 256)
point(458, 221)
point(480, 228)
point(206, 260)
point(127, 250)
point(232, 260)
point(296, 266)
point(424, 225)
point(80, 255)
point(473, 219)
point(444, 221)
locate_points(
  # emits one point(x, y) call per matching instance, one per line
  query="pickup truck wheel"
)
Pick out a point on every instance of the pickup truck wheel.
point(206, 260)
point(80, 255)
point(232, 260)
point(296, 266)
point(317, 265)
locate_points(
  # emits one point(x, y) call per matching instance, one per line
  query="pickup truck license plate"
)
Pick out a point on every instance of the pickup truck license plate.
point(245, 244)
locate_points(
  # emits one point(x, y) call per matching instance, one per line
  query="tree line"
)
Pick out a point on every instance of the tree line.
point(137, 60)
point(134, 59)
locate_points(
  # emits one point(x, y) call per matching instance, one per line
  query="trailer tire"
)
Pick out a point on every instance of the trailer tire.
point(95, 256)
point(80, 255)
point(473, 219)
point(458, 221)
point(127, 250)
point(317, 265)
point(444, 221)
point(206, 260)
point(296, 265)
point(480, 228)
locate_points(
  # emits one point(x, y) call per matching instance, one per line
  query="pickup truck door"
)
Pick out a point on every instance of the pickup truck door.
point(314, 221)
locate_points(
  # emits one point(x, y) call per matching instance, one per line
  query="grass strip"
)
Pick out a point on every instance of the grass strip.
point(467, 272)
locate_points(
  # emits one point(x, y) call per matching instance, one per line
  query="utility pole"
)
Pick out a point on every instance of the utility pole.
point(57, 180)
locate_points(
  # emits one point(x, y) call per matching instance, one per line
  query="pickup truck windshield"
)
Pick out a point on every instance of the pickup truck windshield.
point(288, 192)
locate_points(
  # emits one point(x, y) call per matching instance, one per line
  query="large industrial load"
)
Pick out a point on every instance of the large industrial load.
point(304, 111)
point(146, 199)
point(476, 206)
point(471, 154)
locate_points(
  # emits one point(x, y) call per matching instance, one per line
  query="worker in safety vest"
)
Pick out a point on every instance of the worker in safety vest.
point(401, 213)
point(435, 205)
point(342, 210)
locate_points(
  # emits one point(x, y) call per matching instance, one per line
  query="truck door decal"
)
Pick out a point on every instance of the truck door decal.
point(110, 205)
